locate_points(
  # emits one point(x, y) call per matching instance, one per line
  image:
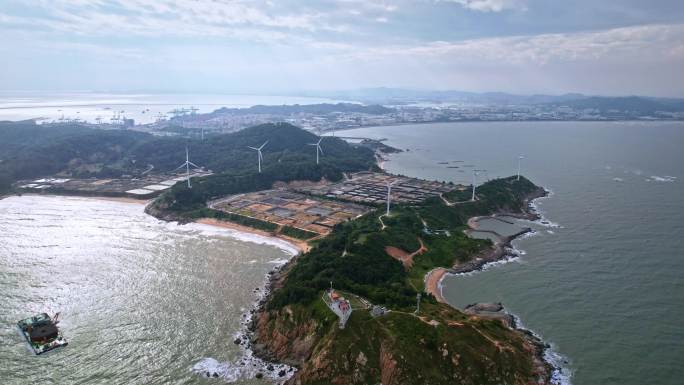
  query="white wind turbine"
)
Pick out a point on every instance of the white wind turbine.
point(259, 156)
point(389, 191)
point(475, 173)
point(187, 165)
point(520, 158)
point(318, 148)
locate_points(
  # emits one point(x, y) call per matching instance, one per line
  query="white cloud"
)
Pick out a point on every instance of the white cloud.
point(640, 42)
point(489, 5)
point(308, 47)
point(243, 19)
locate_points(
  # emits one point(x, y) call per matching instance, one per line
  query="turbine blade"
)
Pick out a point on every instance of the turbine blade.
point(319, 140)
point(263, 145)
point(194, 165)
point(253, 148)
point(320, 149)
point(182, 165)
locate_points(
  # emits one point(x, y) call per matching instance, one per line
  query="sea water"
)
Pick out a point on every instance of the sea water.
point(141, 301)
point(603, 281)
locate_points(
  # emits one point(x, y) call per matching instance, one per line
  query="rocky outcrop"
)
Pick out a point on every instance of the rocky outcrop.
point(278, 337)
point(490, 311)
point(390, 373)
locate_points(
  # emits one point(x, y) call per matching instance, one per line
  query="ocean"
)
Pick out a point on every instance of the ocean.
point(144, 108)
point(142, 301)
point(604, 282)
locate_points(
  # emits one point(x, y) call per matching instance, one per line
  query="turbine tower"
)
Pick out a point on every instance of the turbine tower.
point(520, 158)
point(475, 173)
point(318, 148)
point(472, 198)
point(259, 156)
point(389, 191)
point(187, 165)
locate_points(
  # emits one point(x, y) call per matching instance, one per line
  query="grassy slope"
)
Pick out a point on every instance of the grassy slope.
point(367, 270)
point(473, 352)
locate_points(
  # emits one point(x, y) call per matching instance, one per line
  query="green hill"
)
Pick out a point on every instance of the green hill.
point(439, 345)
point(28, 150)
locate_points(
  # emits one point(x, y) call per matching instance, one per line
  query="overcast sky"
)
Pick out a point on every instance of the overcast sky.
point(609, 47)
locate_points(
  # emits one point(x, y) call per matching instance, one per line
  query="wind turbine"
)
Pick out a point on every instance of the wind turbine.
point(389, 190)
point(187, 165)
point(318, 148)
point(259, 156)
point(520, 158)
point(472, 198)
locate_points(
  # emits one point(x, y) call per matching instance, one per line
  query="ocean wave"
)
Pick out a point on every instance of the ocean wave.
point(511, 256)
point(664, 178)
point(209, 230)
point(247, 366)
point(560, 373)
point(542, 221)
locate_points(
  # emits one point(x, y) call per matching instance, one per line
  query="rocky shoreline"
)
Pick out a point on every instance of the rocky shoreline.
point(256, 362)
point(498, 253)
point(546, 370)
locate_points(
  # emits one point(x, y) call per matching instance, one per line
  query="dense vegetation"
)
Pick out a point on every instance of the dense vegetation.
point(439, 345)
point(287, 157)
point(28, 150)
point(354, 255)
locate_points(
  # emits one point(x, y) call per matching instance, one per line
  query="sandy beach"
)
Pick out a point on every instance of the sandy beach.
point(433, 281)
point(100, 198)
point(121, 199)
point(302, 246)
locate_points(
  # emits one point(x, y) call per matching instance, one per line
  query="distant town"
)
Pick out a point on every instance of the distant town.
point(327, 117)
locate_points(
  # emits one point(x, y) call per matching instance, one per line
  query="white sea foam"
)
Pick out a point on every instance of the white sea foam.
point(209, 230)
point(618, 179)
point(246, 366)
point(665, 178)
point(543, 221)
point(512, 255)
point(561, 373)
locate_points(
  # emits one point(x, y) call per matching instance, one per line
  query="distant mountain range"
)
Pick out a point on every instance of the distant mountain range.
point(397, 96)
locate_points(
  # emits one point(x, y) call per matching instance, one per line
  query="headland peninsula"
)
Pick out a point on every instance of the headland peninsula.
point(353, 307)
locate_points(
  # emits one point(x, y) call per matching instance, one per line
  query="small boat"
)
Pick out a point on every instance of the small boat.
point(41, 333)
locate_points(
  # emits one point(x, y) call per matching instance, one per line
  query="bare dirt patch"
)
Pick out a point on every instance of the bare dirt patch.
point(403, 256)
